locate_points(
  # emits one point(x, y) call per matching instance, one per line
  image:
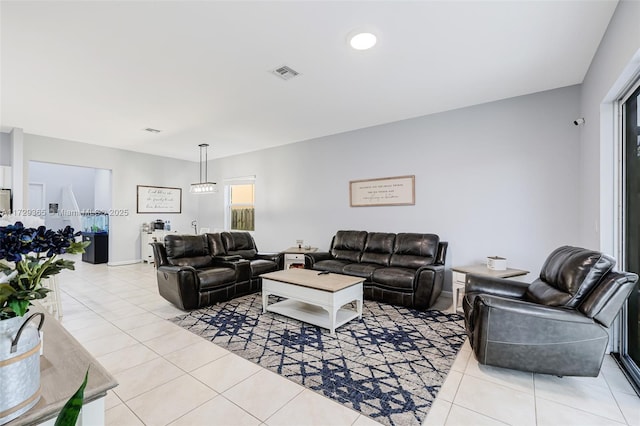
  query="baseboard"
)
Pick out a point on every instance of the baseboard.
point(124, 262)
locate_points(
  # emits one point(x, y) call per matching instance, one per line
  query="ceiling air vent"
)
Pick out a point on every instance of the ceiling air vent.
point(285, 73)
point(150, 130)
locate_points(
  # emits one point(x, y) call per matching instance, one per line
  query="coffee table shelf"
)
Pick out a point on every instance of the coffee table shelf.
point(312, 314)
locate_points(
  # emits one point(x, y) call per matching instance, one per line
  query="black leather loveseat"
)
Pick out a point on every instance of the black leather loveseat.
point(200, 270)
point(402, 269)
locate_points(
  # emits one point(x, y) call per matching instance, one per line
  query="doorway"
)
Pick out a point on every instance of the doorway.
point(630, 336)
point(37, 197)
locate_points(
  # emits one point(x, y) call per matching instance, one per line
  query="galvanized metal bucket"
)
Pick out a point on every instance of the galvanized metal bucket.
point(19, 365)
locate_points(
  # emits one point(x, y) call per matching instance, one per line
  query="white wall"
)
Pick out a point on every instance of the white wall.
point(102, 193)
point(493, 179)
point(57, 176)
point(128, 170)
point(617, 55)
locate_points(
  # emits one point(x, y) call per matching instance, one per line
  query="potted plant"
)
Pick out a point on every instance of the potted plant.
point(27, 256)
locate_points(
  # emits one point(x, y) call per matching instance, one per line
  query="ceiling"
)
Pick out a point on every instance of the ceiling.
point(200, 71)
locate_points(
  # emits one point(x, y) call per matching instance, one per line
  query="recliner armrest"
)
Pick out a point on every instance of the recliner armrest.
point(311, 258)
point(495, 286)
point(532, 310)
point(174, 269)
point(159, 254)
point(275, 257)
point(427, 285)
point(278, 258)
point(227, 258)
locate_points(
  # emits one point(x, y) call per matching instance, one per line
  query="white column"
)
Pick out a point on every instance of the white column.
point(17, 176)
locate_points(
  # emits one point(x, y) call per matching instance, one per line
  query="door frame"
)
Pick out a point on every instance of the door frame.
point(43, 186)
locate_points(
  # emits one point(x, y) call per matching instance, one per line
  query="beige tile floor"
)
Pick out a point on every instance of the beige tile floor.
point(168, 376)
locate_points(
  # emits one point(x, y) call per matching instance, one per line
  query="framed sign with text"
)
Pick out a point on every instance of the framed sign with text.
point(390, 191)
point(159, 199)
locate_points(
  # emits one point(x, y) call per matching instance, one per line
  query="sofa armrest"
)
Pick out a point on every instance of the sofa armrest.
point(159, 254)
point(274, 257)
point(226, 258)
point(427, 285)
point(442, 253)
point(504, 287)
point(179, 285)
point(311, 258)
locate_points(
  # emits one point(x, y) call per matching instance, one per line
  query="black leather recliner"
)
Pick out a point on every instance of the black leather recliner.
point(555, 325)
point(404, 269)
point(243, 245)
point(192, 275)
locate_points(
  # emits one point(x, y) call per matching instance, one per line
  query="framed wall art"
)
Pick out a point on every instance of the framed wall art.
point(388, 191)
point(159, 199)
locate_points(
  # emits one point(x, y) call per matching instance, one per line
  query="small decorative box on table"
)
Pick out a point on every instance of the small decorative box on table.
point(459, 276)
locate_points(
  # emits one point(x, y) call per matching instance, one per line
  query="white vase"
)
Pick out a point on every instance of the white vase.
point(19, 365)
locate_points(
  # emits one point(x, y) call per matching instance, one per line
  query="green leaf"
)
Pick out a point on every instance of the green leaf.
point(5, 292)
point(77, 247)
point(19, 306)
point(69, 414)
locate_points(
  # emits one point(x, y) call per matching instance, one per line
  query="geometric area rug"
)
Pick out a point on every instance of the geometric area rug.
point(389, 366)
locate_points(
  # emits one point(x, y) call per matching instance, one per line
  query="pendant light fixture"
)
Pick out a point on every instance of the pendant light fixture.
point(203, 187)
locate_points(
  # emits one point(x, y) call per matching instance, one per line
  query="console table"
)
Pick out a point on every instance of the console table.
point(459, 276)
point(62, 368)
point(294, 256)
point(146, 238)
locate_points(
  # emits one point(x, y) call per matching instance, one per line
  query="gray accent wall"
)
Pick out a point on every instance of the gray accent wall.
point(495, 179)
point(615, 63)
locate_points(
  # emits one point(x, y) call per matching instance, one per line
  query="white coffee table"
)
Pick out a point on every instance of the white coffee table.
point(313, 298)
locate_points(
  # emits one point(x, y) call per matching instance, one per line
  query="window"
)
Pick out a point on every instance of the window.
point(240, 211)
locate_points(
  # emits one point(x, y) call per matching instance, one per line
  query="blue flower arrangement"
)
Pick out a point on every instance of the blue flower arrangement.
point(27, 256)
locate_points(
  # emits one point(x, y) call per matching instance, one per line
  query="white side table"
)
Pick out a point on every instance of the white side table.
point(294, 256)
point(459, 276)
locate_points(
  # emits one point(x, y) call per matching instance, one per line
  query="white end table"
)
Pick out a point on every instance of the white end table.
point(295, 256)
point(459, 276)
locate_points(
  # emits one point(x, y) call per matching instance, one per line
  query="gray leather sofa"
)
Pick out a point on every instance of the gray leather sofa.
point(404, 269)
point(558, 324)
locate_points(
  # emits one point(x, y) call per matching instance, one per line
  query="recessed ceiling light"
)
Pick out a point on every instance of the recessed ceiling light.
point(363, 41)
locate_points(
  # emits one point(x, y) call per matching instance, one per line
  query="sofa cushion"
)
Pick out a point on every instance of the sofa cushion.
point(215, 277)
point(394, 277)
point(240, 243)
point(332, 265)
point(414, 250)
point(568, 276)
point(378, 248)
point(348, 245)
point(187, 250)
point(364, 270)
point(216, 246)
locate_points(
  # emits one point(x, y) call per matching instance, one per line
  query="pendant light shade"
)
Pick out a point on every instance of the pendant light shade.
point(203, 187)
